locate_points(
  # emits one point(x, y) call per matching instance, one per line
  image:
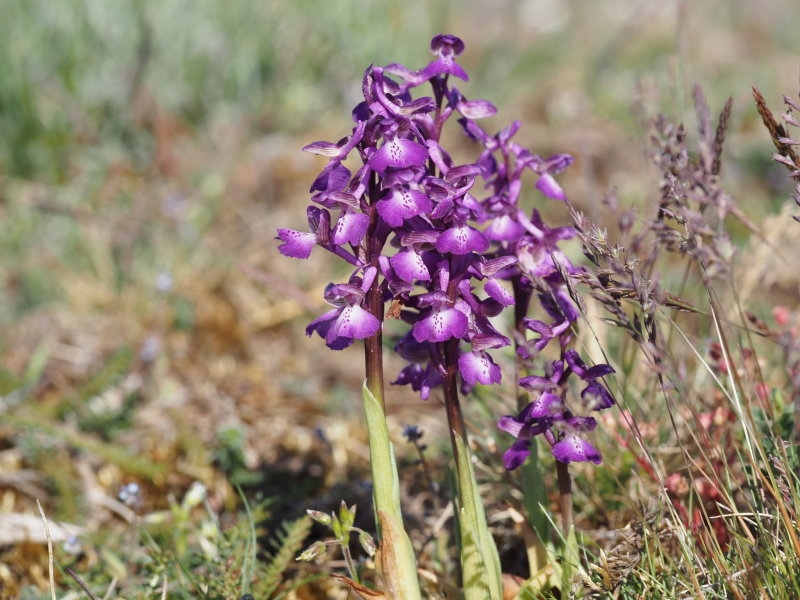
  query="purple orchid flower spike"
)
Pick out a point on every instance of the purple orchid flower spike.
point(551, 415)
point(449, 260)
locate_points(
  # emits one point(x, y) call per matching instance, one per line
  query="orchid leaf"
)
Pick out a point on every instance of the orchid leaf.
point(397, 554)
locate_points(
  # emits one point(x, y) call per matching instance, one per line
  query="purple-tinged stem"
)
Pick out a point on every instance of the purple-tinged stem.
point(522, 300)
point(373, 346)
point(455, 421)
point(564, 480)
point(564, 496)
point(480, 562)
point(532, 478)
point(455, 418)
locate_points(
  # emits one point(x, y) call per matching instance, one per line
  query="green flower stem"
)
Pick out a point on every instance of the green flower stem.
point(480, 562)
point(400, 570)
point(571, 556)
point(399, 565)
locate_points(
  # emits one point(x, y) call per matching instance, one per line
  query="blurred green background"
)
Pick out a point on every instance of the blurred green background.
point(182, 93)
point(81, 75)
point(99, 98)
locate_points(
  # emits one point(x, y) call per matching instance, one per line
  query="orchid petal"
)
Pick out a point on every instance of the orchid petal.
point(596, 397)
point(545, 405)
point(498, 292)
point(476, 109)
point(445, 65)
point(398, 153)
point(409, 266)
point(350, 228)
point(296, 244)
point(537, 382)
point(402, 203)
point(517, 454)
point(574, 448)
point(550, 188)
point(504, 228)
point(441, 325)
point(462, 240)
point(478, 367)
point(354, 323)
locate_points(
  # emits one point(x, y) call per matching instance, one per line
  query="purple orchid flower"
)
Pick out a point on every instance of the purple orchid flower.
point(549, 413)
point(408, 221)
point(349, 321)
point(409, 196)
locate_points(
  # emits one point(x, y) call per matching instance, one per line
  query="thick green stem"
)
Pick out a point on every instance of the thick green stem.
point(398, 563)
point(480, 562)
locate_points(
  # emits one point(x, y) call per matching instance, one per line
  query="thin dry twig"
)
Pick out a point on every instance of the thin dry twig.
point(111, 587)
point(49, 552)
point(81, 583)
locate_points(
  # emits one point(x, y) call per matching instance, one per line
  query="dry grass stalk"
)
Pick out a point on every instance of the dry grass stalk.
point(49, 552)
point(777, 131)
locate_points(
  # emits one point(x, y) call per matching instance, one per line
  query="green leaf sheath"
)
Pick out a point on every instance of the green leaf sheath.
point(398, 561)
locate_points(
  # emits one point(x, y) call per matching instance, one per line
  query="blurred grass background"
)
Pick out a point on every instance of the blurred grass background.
point(150, 331)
